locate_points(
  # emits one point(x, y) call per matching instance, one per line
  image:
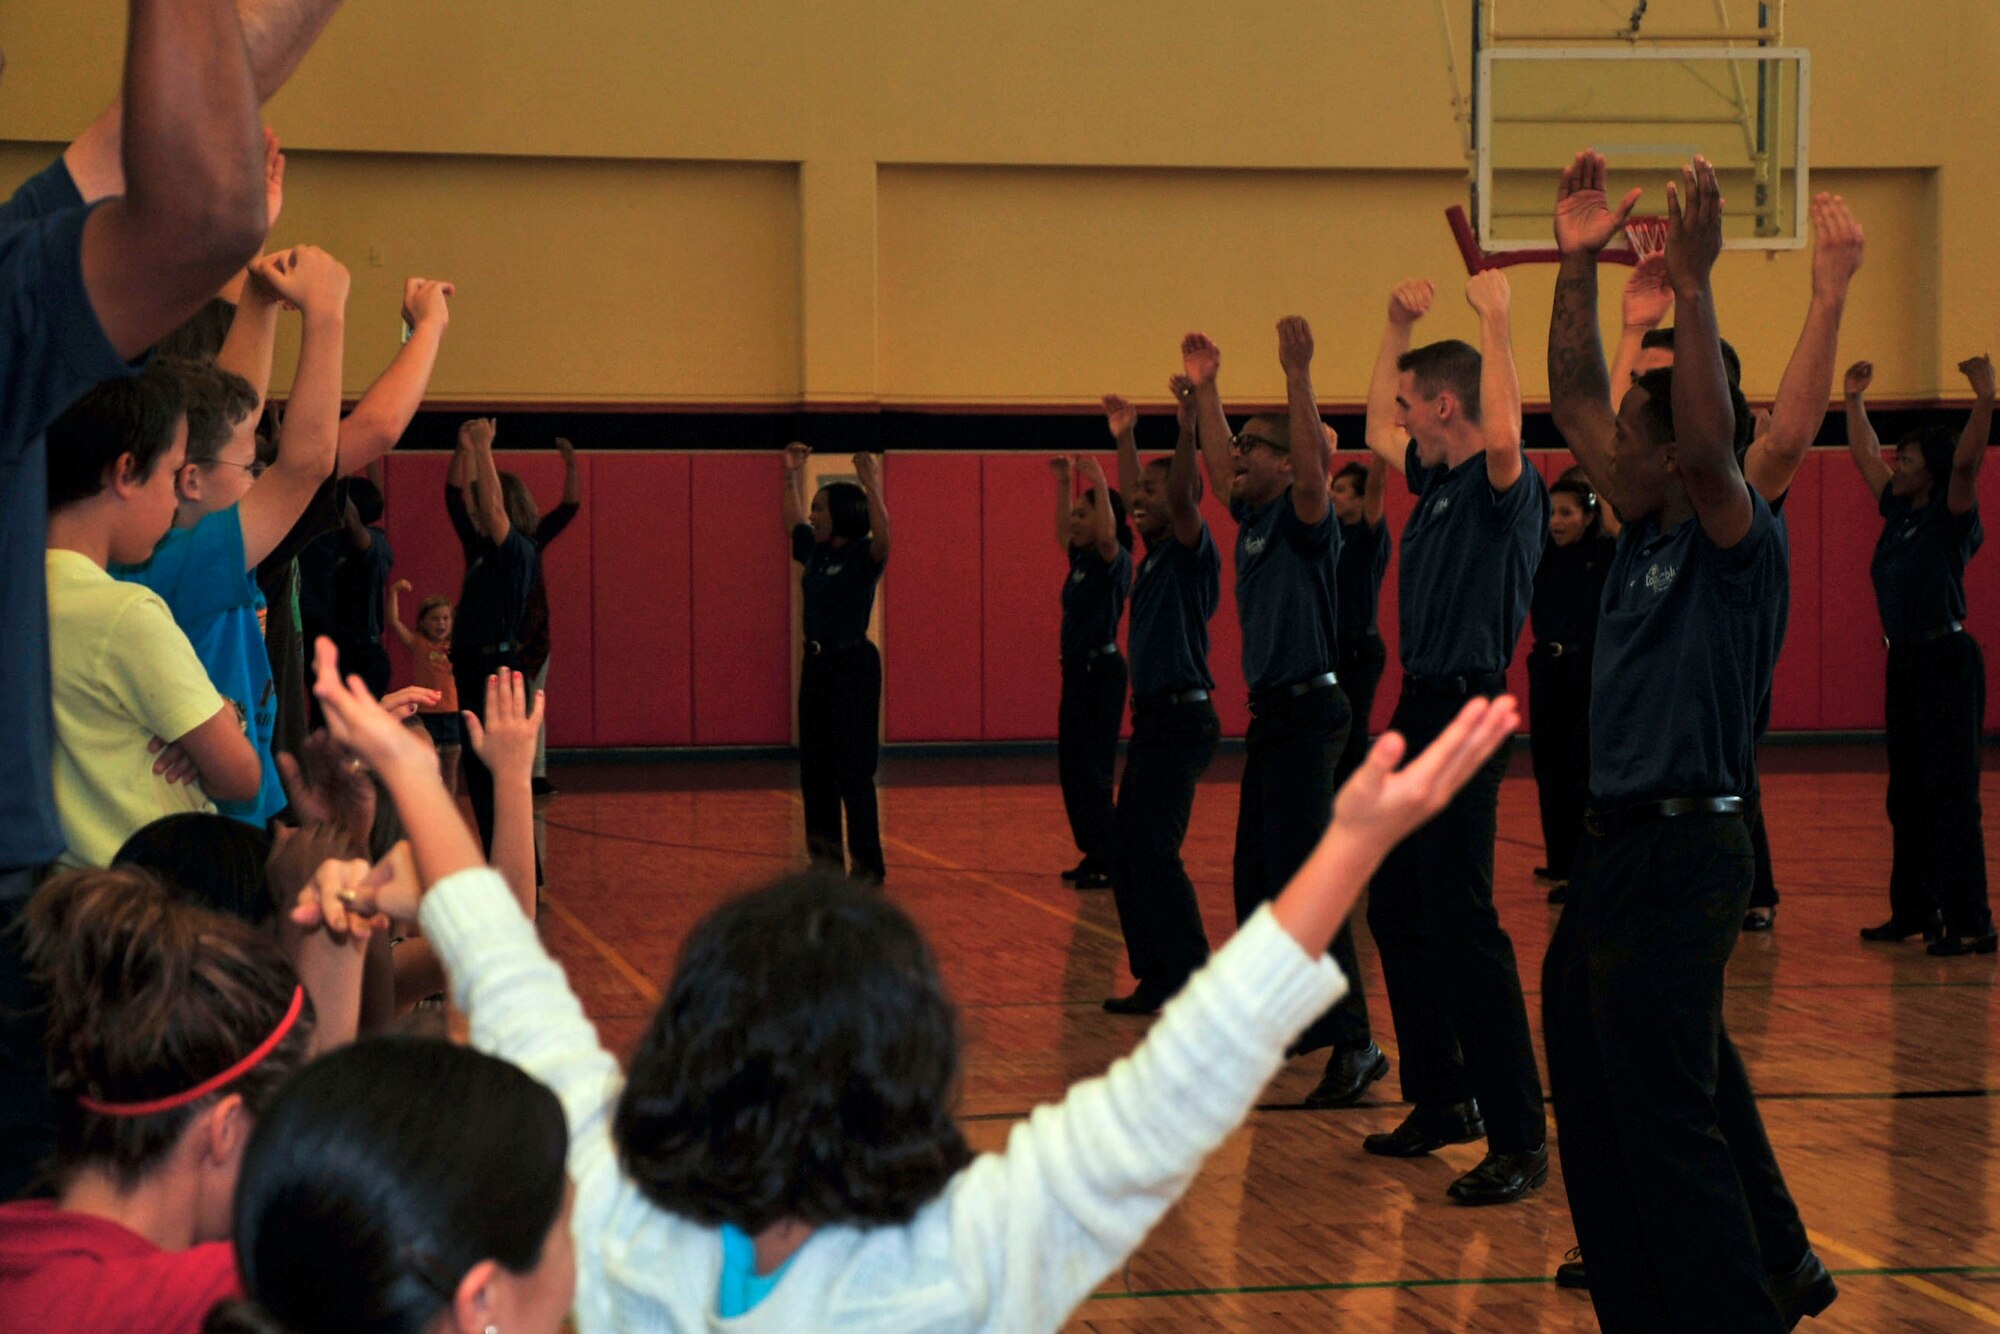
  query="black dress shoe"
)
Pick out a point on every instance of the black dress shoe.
point(1091, 878)
point(1541, 873)
point(1760, 919)
point(1073, 872)
point(1348, 1075)
point(1558, 891)
point(1896, 930)
point(1569, 1274)
point(1806, 1290)
point(1427, 1128)
point(1502, 1178)
point(1949, 945)
point(1146, 998)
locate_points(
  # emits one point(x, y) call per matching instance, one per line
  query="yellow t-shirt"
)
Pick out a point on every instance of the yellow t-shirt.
point(121, 674)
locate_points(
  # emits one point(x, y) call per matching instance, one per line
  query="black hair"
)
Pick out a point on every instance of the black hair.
point(1119, 525)
point(367, 498)
point(1572, 483)
point(1165, 465)
point(1659, 410)
point(847, 505)
point(1451, 364)
point(360, 1208)
point(1358, 472)
point(1732, 365)
point(213, 860)
point(136, 415)
point(201, 335)
point(804, 1065)
point(216, 402)
point(523, 514)
point(1938, 446)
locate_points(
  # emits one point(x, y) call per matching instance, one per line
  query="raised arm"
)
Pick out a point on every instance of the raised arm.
point(1579, 384)
point(1183, 489)
point(1863, 445)
point(794, 479)
point(1060, 473)
point(403, 632)
point(1646, 302)
point(1704, 420)
point(387, 407)
point(572, 478)
point(1104, 524)
point(1201, 359)
point(1963, 492)
point(1123, 421)
point(492, 501)
point(1499, 383)
point(1375, 496)
point(505, 744)
point(1407, 304)
point(252, 340)
point(1800, 407)
point(317, 284)
point(868, 468)
point(1310, 447)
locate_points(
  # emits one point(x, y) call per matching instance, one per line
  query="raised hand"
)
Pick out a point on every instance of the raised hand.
point(1201, 358)
point(565, 448)
point(1410, 300)
point(1694, 224)
point(328, 785)
point(356, 721)
point(1182, 389)
point(1859, 376)
point(353, 900)
point(1585, 221)
point(1382, 803)
point(1120, 416)
point(868, 470)
point(796, 455)
point(274, 179)
point(298, 855)
point(172, 763)
point(1093, 471)
point(1488, 293)
point(1837, 245)
point(1978, 371)
point(1648, 298)
point(402, 586)
point(505, 742)
point(402, 703)
point(1060, 465)
point(427, 300)
point(309, 278)
point(1295, 345)
point(478, 433)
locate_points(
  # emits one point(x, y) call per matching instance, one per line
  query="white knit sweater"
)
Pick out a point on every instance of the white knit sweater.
point(1014, 1242)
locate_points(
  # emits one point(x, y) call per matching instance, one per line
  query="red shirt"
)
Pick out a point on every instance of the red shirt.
point(71, 1273)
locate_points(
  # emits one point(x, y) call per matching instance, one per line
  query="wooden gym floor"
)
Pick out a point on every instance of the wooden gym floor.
point(1878, 1067)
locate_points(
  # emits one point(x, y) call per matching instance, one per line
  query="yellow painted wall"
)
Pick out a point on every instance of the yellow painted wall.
point(868, 200)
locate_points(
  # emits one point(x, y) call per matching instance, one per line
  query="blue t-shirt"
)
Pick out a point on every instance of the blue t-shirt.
point(1285, 570)
point(1468, 571)
point(1919, 565)
point(742, 1287)
point(837, 587)
point(52, 349)
point(1093, 598)
point(1178, 589)
point(1364, 559)
point(1686, 642)
point(199, 573)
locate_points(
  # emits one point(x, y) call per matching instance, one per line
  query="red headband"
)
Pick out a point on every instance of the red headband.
point(207, 1086)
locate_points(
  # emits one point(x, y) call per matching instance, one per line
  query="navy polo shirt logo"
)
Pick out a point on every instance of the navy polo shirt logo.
point(1659, 580)
point(1442, 502)
point(833, 569)
point(1076, 577)
point(1254, 546)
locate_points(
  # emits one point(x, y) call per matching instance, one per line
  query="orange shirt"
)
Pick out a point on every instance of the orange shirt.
point(430, 664)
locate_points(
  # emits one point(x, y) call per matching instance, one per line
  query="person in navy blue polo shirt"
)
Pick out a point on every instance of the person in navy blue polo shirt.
point(1360, 496)
point(1936, 681)
point(1661, 1138)
point(1093, 533)
point(1449, 416)
point(1273, 476)
point(841, 543)
point(1175, 729)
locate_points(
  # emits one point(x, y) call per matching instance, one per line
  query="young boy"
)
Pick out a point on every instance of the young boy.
point(430, 667)
point(123, 675)
point(231, 512)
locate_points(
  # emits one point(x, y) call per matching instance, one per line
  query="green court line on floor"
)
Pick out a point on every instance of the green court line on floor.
point(1498, 1280)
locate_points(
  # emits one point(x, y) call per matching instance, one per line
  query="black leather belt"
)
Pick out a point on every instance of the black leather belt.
point(1265, 698)
point(1476, 683)
point(1093, 654)
point(1553, 650)
point(818, 648)
point(1167, 700)
point(1945, 631)
point(1601, 823)
point(496, 650)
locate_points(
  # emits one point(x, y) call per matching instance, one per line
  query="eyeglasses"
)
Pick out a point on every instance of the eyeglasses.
point(1243, 441)
point(255, 469)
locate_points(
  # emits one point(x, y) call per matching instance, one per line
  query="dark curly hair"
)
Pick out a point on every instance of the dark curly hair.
point(804, 1065)
point(1938, 445)
point(847, 505)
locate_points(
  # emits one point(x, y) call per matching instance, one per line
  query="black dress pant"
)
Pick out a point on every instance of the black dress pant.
point(1679, 1205)
point(27, 1108)
point(1454, 987)
point(1360, 669)
point(1936, 712)
point(1559, 741)
point(1087, 723)
point(1763, 887)
point(840, 713)
point(1285, 805)
point(1170, 749)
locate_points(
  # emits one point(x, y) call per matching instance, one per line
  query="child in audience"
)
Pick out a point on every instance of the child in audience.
point(785, 1143)
point(170, 1028)
point(364, 1210)
point(123, 675)
point(430, 666)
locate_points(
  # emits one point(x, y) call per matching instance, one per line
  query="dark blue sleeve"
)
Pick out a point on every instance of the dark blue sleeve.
point(50, 190)
point(553, 523)
point(1310, 538)
point(461, 522)
point(1414, 473)
point(803, 545)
